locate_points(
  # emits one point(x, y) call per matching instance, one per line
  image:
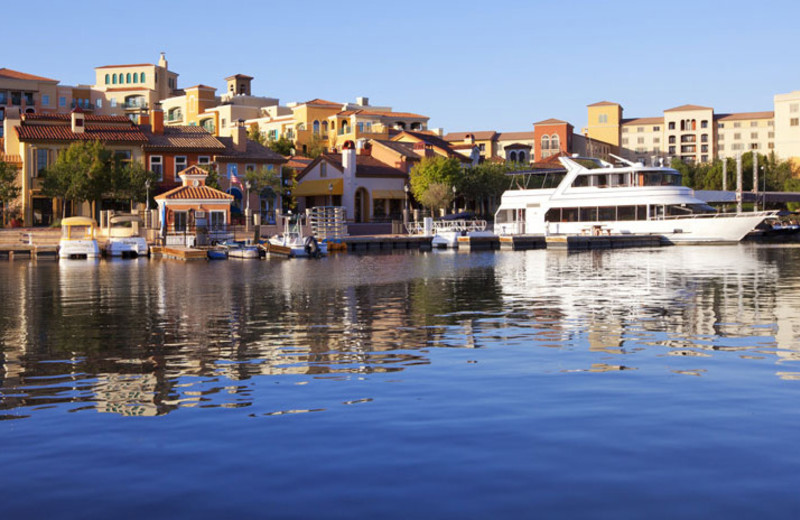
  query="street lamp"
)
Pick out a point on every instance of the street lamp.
point(454, 198)
point(330, 193)
point(247, 186)
point(147, 195)
point(764, 189)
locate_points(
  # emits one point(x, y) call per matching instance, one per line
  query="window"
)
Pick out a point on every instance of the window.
point(128, 77)
point(232, 170)
point(672, 139)
point(180, 219)
point(640, 140)
point(513, 156)
point(99, 103)
point(45, 100)
point(657, 150)
point(672, 150)
point(546, 142)
point(656, 140)
point(249, 168)
point(640, 129)
point(625, 140)
point(737, 146)
point(554, 143)
point(656, 129)
point(123, 156)
point(770, 135)
point(222, 124)
point(482, 146)
point(624, 129)
point(315, 127)
point(737, 124)
point(704, 124)
point(107, 79)
point(703, 158)
point(216, 219)
point(141, 77)
point(720, 125)
point(603, 118)
point(704, 138)
point(794, 107)
point(753, 135)
point(114, 79)
point(704, 148)
point(360, 128)
point(721, 147)
point(720, 137)
point(203, 160)
point(62, 101)
point(41, 162)
point(157, 166)
point(793, 121)
point(737, 136)
point(113, 102)
point(770, 145)
point(671, 125)
point(753, 123)
point(180, 164)
point(754, 146)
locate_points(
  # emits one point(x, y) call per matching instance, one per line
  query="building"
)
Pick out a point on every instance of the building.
point(427, 144)
point(129, 89)
point(39, 137)
point(369, 188)
point(193, 213)
point(25, 93)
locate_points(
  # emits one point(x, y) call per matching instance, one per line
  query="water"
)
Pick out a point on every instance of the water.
point(618, 384)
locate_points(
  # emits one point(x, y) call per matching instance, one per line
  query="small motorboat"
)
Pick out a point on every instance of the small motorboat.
point(242, 250)
point(217, 253)
point(125, 237)
point(294, 244)
point(78, 238)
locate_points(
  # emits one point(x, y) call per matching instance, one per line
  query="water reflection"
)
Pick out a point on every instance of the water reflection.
point(144, 338)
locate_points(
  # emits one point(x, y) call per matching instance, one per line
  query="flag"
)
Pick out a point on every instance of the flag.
point(235, 180)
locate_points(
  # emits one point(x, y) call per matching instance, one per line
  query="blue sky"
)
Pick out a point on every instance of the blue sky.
point(500, 65)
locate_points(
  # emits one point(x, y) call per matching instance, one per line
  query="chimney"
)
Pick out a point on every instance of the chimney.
point(78, 121)
point(162, 60)
point(157, 119)
point(144, 118)
point(349, 160)
point(363, 101)
point(11, 120)
point(469, 139)
point(240, 136)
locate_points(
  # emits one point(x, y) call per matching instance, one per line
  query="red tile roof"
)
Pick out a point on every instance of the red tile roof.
point(515, 136)
point(90, 118)
point(193, 193)
point(182, 138)
point(643, 121)
point(602, 104)
point(114, 129)
point(200, 86)
point(298, 162)
point(683, 108)
point(322, 102)
point(366, 166)
point(741, 116)
point(486, 135)
point(15, 74)
point(121, 66)
point(239, 76)
point(381, 113)
point(552, 121)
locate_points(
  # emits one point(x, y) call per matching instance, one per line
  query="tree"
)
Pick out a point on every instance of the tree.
point(282, 146)
point(315, 147)
point(9, 190)
point(130, 182)
point(254, 134)
point(263, 178)
point(436, 196)
point(82, 173)
point(434, 170)
point(212, 181)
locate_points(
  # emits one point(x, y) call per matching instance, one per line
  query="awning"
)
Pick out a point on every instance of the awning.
point(319, 187)
point(388, 194)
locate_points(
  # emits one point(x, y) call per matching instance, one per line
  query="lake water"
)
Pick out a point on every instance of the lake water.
point(658, 383)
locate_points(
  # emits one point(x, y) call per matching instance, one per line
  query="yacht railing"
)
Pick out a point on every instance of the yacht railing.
point(443, 226)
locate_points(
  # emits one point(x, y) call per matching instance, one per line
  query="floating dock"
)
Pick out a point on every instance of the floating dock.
point(582, 242)
point(179, 252)
point(28, 251)
point(384, 242)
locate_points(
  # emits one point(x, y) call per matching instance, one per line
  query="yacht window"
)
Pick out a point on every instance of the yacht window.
point(580, 181)
point(641, 212)
point(569, 215)
point(553, 215)
point(607, 213)
point(588, 214)
point(626, 213)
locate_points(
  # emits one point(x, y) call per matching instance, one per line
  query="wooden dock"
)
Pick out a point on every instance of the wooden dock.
point(12, 251)
point(522, 242)
point(583, 242)
point(179, 252)
point(387, 242)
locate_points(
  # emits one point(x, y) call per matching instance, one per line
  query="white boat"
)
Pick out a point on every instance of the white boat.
point(293, 243)
point(447, 231)
point(592, 196)
point(242, 250)
point(78, 238)
point(125, 236)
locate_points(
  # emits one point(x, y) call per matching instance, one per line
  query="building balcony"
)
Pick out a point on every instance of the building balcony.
point(135, 104)
point(175, 118)
point(82, 105)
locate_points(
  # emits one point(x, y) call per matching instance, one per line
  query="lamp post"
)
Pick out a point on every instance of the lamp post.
point(405, 206)
point(330, 193)
point(247, 186)
point(764, 189)
point(454, 198)
point(147, 195)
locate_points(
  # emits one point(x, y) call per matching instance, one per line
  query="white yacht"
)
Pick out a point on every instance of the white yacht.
point(125, 236)
point(592, 196)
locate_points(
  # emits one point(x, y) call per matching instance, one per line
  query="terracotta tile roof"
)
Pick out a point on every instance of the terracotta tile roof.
point(517, 145)
point(110, 133)
point(381, 113)
point(486, 135)
point(366, 166)
point(298, 162)
point(404, 149)
point(200, 85)
point(602, 104)
point(741, 116)
point(683, 108)
point(181, 138)
point(552, 121)
point(643, 121)
point(90, 118)
point(194, 193)
point(254, 153)
point(239, 76)
point(515, 136)
point(15, 74)
point(435, 141)
point(121, 66)
point(322, 102)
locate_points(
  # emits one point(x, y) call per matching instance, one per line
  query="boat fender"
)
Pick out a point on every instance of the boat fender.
point(311, 246)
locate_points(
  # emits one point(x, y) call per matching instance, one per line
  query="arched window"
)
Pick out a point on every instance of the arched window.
point(512, 157)
point(521, 156)
point(128, 77)
point(694, 124)
point(345, 128)
point(315, 127)
point(324, 128)
point(545, 142)
point(107, 78)
point(683, 125)
point(554, 143)
point(141, 77)
point(114, 79)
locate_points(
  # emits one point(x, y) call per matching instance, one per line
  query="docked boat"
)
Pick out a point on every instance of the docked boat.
point(293, 244)
point(78, 239)
point(217, 253)
point(125, 238)
point(592, 196)
point(447, 230)
point(242, 250)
